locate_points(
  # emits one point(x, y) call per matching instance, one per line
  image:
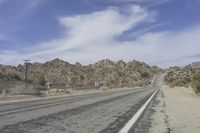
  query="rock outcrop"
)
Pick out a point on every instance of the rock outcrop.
point(181, 76)
point(61, 74)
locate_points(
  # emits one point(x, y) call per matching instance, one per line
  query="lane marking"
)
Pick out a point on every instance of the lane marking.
point(132, 121)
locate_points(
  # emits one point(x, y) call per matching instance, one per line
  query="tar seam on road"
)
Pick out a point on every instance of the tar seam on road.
point(132, 121)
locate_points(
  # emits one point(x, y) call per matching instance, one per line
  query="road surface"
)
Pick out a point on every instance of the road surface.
point(105, 112)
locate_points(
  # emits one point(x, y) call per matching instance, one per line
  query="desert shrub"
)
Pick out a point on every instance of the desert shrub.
point(195, 83)
point(175, 83)
point(24, 89)
point(187, 80)
point(41, 80)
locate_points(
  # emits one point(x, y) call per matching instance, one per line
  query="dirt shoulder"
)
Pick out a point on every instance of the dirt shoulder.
point(11, 98)
point(176, 111)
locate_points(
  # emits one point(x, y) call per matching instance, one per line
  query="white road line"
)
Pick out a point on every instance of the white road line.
point(132, 121)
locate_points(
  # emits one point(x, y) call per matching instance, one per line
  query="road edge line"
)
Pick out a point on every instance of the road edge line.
point(133, 120)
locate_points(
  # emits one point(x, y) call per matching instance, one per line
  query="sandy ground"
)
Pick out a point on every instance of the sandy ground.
point(177, 111)
point(16, 97)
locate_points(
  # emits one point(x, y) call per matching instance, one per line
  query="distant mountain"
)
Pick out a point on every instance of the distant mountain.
point(59, 73)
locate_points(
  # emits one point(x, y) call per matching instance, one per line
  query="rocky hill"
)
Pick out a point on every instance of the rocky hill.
point(61, 74)
point(9, 75)
point(181, 76)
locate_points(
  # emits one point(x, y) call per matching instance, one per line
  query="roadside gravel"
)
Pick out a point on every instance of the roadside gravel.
point(174, 110)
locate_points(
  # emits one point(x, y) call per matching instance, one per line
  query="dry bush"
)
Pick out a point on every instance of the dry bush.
point(175, 83)
point(195, 83)
point(68, 90)
point(41, 80)
point(104, 88)
point(24, 89)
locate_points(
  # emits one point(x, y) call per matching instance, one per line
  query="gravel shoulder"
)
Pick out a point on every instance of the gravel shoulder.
point(174, 110)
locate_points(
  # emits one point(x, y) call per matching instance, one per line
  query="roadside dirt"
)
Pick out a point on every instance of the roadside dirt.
point(73, 92)
point(16, 97)
point(176, 111)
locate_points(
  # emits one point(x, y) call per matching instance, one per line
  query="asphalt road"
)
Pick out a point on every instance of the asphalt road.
point(105, 112)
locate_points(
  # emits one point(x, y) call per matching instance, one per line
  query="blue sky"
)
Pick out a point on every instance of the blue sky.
point(158, 32)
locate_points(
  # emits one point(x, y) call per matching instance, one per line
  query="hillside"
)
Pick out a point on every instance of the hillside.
point(181, 76)
point(61, 74)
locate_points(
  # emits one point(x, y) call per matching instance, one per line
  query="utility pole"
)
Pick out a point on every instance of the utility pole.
point(26, 71)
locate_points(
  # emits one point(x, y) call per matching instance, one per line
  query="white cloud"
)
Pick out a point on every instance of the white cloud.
point(146, 3)
point(91, 37)
point(98, 28)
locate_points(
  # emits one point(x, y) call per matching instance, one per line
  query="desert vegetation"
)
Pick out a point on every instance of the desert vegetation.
point(196, 82)
point(188, 76)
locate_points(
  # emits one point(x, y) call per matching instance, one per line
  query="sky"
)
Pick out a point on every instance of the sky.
point(159, 32)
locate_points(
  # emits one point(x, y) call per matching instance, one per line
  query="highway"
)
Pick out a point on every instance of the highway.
point(105, 112)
